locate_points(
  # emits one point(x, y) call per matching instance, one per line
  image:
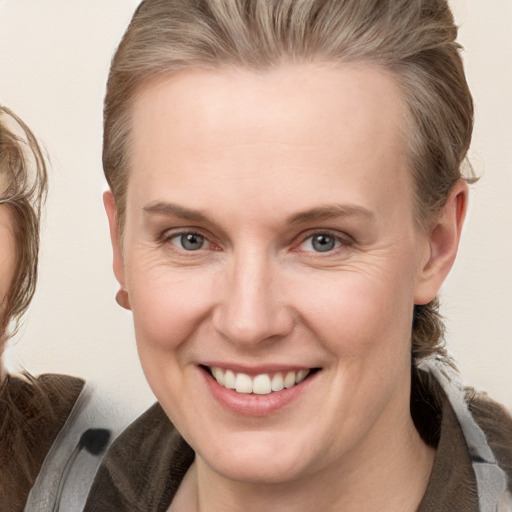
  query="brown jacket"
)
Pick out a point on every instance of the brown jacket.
point(144, 467)
point(32, 412)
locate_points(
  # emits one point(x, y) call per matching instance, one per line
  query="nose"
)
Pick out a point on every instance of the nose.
point(251, 308)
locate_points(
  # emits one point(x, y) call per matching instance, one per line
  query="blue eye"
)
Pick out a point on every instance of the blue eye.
point(321, 242)
point(189, 241)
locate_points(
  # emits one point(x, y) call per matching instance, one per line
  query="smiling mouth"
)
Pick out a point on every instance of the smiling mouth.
point(262, 384)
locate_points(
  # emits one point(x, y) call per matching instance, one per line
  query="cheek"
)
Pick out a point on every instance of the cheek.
point(166, 310)
point(356, 316)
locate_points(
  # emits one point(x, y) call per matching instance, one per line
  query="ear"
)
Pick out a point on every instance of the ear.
point(443, 238)
point(118, 259)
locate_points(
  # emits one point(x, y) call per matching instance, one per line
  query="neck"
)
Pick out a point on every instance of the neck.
point(372, 479)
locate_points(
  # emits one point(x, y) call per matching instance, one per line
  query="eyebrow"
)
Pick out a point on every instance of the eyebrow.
point(174, 210)
point(329, 212)
point(314, 214)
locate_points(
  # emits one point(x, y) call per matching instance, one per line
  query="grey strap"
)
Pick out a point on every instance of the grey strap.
point(493, 494)
point(91, 410)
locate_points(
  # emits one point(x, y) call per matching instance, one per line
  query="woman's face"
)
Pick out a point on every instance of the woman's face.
point(270, 238)
point(7, 255)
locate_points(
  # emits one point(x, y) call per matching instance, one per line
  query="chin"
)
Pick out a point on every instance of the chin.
point(263, 472)
point(257, 461)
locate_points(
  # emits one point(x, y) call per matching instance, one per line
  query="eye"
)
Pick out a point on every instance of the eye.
point(320, 242)
point(189, 241)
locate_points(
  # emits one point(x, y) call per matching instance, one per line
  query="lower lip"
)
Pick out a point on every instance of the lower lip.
point(250, 404)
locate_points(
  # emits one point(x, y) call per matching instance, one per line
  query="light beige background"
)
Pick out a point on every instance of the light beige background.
point(54, 58)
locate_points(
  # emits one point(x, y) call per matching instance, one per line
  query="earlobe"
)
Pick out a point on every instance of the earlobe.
point(122, 298)
point(118, 262)
point(444, 237)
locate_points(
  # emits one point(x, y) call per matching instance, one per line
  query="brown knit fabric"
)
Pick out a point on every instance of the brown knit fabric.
point(32, 412)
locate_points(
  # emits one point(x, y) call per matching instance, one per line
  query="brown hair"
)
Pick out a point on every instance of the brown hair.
point(414, 40)
point(24, 186)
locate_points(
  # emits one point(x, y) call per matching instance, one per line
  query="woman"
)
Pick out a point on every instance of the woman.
point(32, 411)
point(286, 201)
point(49, 424)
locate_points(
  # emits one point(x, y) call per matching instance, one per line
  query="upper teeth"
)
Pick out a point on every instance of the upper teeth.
point(262, 384)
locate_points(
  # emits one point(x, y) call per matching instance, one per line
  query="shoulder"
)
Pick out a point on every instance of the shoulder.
point(33, 411)
point(150, 456)
point(61, 391)
point(465, 427)
point(496, 423)
point(39, 404)
point(55, 386)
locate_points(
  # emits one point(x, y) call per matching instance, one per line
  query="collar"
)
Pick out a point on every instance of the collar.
point(490, 480)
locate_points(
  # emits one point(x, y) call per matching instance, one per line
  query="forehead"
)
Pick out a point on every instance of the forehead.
point(198, 100)
point(295, 125)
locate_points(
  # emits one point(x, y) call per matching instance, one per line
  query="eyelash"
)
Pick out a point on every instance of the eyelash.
point(341, 242)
